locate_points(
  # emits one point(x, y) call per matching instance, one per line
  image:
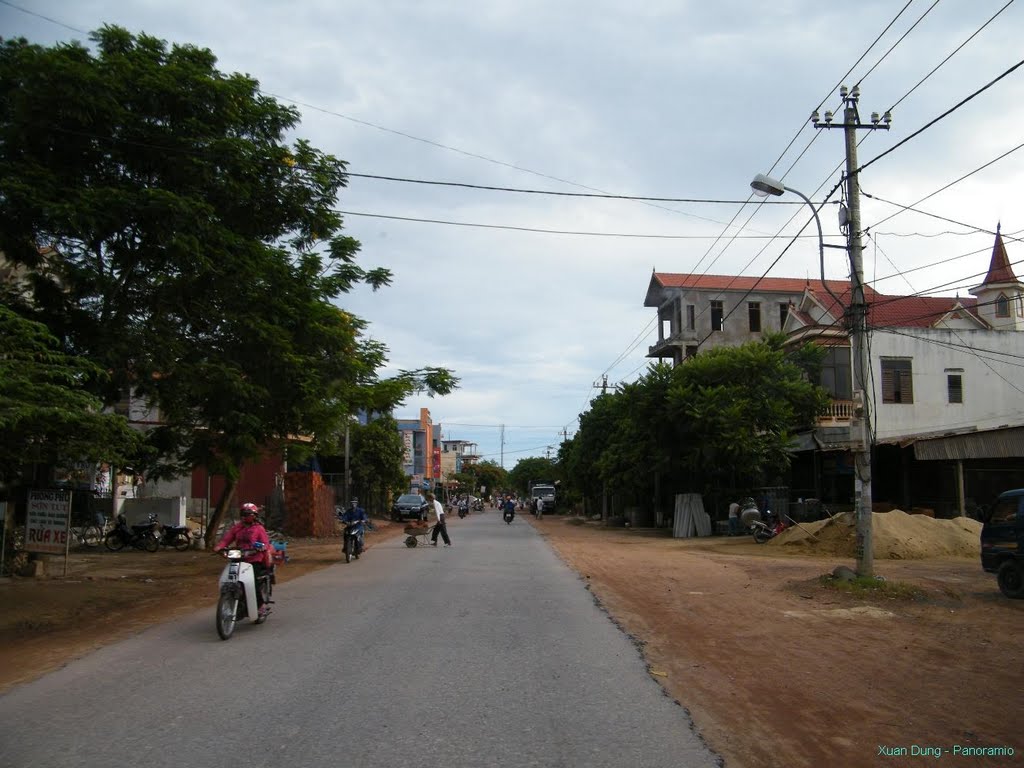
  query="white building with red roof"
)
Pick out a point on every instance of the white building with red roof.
point(946, 404)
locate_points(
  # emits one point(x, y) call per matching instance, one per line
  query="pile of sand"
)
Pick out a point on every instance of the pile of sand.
point(896, 536)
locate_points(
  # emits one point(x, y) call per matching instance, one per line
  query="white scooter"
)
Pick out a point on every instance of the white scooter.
point(238, 585)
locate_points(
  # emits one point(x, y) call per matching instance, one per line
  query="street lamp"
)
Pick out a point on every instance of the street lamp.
point(763, 186)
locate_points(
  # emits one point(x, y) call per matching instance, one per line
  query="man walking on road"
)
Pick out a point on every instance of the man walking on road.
point(440, 526)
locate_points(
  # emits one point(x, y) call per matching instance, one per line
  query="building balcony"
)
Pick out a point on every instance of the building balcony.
point(669, 345)
point(839, 413)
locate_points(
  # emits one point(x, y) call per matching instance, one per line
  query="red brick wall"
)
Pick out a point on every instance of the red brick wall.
point(256, 481)
point(308, 504)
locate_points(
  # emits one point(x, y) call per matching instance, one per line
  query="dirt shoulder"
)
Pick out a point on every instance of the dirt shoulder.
point(778, 670)
point(774, 668)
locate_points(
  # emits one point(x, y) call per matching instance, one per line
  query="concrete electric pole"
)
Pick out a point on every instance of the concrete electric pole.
point(860, 427)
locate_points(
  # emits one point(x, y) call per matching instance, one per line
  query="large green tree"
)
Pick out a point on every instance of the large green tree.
point(740, 407)
point(376, 461)
point(46, 414)
point(490, 475)
point(533, 469)
point(188, 248)
point(723, 419)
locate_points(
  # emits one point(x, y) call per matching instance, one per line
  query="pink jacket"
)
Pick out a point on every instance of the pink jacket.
point(244, 536)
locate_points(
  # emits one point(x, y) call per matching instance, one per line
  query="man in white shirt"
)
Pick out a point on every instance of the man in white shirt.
point(440, 526)
point(540, 508)
point(734, 519)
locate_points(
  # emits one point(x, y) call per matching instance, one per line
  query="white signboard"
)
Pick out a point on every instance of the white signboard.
point(407, 446)
point(46, 528)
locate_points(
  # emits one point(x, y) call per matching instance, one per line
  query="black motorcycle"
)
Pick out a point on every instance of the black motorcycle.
point(177, 536)
point(145, 536)
point(509, 516)
point(353, 535)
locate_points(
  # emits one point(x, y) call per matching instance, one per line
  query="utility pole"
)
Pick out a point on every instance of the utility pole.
point(860, 426)
point(348, 466)
point(502, 465)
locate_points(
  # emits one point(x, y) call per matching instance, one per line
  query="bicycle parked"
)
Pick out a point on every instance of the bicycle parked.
point(90, 535)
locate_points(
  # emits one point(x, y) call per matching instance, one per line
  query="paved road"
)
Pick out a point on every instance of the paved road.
point(490, 652)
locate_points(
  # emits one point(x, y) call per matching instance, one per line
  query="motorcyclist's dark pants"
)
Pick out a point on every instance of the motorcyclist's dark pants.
point(258, 571)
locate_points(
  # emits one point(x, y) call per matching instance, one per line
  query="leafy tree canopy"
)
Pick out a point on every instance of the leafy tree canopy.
point(726, 416)
point(177, 239)
point(46, 415)
point(491, 476)
point(535, 469)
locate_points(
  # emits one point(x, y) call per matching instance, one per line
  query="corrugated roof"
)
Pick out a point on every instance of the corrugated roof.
point(993, 444)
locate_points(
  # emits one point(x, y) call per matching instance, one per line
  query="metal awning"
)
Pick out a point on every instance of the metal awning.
point(992, 444)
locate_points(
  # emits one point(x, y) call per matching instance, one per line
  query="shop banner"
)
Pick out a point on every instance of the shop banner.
point(46, 528)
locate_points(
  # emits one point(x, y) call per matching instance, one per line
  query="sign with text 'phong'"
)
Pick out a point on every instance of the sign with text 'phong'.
point(46, 528)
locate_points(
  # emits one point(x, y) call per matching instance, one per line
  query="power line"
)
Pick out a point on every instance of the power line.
point(602, 196)
point(902, 37)
point(912, 207)
point(45, 18)
point(540, 230)
point(950, 56)
point(944, 115)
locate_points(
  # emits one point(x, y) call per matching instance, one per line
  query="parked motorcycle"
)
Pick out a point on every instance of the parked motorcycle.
point(763, 531)
point(238, 585)
point(144, 536)
point(478, 505)
point(177, 536)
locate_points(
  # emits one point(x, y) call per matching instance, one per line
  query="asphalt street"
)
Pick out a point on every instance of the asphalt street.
point(490, 652)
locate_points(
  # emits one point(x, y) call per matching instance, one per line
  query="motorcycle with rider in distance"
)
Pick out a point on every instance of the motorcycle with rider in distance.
point(238, 586)
point(352, 536)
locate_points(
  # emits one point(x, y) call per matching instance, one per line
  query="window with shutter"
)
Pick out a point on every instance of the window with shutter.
point(897, 381)
point(955, 387)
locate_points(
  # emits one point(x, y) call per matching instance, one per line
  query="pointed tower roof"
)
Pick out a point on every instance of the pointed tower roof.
point(999, 269)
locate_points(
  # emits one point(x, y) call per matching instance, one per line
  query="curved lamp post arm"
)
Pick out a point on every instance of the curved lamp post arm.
point(765, 185)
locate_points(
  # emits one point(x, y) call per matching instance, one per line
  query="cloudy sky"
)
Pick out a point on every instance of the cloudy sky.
point(534, 299)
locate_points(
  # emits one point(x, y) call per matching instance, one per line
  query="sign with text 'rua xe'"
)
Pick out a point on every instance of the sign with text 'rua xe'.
point(46, 528)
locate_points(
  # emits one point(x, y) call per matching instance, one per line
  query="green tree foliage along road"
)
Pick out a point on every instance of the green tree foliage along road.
point(534, 469)
point(196, 255)
point(46, 414)
point(721, 421)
